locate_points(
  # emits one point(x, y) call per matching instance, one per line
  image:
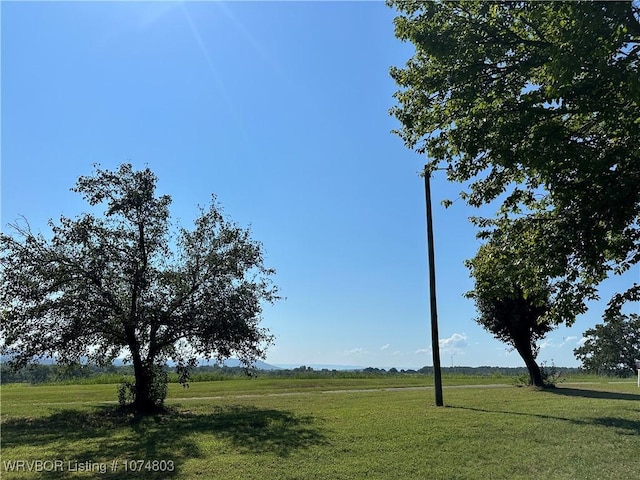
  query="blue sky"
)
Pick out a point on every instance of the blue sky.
point(281, 110)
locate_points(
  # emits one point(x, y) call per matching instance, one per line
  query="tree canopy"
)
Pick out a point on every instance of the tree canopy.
point(130, 283)
point(537, 106)
point(612, 347)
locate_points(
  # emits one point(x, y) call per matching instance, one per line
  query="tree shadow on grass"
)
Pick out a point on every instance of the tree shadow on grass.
point(105, 435)
point(581, 392)
point(624, 426)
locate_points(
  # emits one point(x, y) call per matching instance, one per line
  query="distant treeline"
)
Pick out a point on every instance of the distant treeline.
point(89, 374)
point(53, 373)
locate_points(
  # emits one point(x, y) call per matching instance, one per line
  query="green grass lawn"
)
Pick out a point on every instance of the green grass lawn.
point(382, 428)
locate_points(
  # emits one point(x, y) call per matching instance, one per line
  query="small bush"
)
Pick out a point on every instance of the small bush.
point(550, 375)
point(158, 385)
point(126, 393)
point(157, 392)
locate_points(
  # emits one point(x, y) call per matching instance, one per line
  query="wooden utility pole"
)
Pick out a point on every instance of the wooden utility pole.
point(437, 374)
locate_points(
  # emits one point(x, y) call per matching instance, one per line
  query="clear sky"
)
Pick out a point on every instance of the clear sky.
point(281, 109)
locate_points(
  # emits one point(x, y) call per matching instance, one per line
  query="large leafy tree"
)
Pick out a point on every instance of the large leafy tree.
point(126, 282)
point(511, 300)
point(612, 347)
point(537, 106)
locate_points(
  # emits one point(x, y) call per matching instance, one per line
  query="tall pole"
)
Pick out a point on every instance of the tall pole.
point(437, 375)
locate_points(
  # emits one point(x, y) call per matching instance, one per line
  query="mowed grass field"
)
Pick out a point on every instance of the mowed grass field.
point(381, 428)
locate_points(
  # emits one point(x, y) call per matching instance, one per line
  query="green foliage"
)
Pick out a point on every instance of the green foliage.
point(511, 299)
point(131, 283)
point(157, 391)
point(536, 104)
point(126, 393)
point(612, 347)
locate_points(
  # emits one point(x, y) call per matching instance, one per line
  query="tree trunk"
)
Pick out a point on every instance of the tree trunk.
point(535, 374)
point(143, 402)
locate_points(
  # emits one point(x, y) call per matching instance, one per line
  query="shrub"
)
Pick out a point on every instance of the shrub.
point(157, 392)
